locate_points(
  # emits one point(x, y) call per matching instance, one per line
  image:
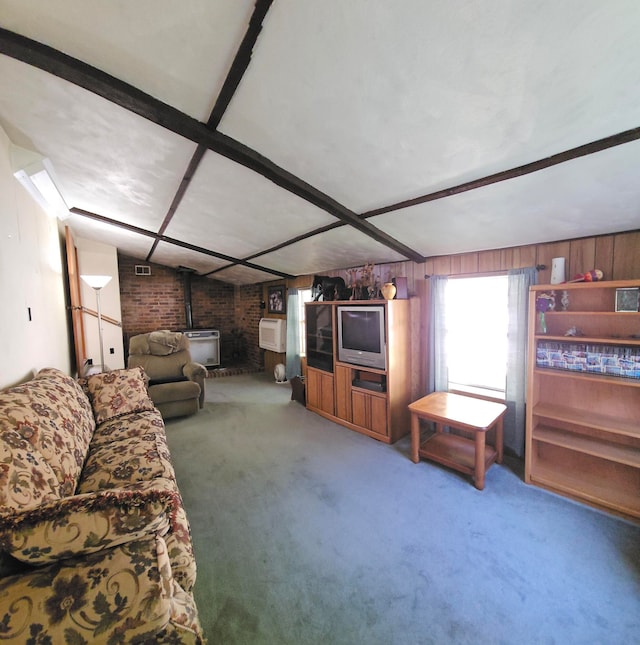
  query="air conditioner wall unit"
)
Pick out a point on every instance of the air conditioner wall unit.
point(273, 334)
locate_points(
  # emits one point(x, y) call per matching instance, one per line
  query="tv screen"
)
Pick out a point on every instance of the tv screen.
point(361, 330)
point(361, 335)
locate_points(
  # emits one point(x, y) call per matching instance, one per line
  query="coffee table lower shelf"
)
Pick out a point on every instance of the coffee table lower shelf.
point(455, 452)
point(465, 413)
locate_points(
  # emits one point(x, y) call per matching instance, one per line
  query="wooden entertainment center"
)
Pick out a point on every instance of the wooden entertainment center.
point(368, 400)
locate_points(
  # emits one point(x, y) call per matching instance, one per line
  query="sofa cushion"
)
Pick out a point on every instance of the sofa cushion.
point(118, 392)
point(120, 595)
point(161, 367)
point(46, 424)
point(143, 457)
point(86, 523)
point(136, 424)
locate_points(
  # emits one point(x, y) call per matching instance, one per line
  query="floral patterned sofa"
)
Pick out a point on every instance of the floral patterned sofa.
point(95, 546)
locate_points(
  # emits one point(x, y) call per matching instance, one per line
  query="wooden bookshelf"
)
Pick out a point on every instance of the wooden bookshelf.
point(583, 427)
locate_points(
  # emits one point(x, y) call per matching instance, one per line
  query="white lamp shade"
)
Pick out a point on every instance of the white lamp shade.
point(96, 281)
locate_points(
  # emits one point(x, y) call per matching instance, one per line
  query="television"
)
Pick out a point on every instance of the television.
point(361, 337)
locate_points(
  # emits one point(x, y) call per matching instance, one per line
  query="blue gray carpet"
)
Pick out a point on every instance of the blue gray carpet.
point(306, 532)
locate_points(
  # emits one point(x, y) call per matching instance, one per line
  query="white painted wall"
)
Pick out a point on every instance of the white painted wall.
point(100, 259)
point(31, 277)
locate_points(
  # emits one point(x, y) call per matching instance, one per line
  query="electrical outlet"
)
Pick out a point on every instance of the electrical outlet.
point(112, 350)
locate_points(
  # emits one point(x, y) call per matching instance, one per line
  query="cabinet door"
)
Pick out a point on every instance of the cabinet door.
point(326, 393)
point(320, 390)
point(360, 409)
point(369, 411)
point(343, 392)
point(313, 388)
point(378, 415)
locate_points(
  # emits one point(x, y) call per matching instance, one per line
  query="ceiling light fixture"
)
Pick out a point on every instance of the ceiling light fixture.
point(36, 174)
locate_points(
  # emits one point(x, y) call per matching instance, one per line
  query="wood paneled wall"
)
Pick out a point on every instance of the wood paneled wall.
point(616, 255)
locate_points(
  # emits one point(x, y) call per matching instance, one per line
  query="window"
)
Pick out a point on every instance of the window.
point(476, 327)
point(304, 296)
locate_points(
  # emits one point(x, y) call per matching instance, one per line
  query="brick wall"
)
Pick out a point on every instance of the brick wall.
point(157, 302)
point(247, 315)
point(149, 302)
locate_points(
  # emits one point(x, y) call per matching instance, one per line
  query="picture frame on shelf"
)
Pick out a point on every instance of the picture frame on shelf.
point(628, 299)
point(276, 302)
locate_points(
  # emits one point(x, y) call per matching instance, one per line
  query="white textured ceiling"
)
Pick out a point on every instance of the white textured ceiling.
point(179, 54)
point(240, 209)
point(356, 105)
point(579, 198)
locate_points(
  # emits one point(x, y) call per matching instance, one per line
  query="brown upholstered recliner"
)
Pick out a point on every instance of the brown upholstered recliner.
point(176, 383)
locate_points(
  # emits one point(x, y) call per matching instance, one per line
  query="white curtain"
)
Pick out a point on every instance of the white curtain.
point(516, 387)
point(293, 335)
point(437, 380)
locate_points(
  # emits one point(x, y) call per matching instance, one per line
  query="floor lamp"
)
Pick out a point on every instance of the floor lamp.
point(97, 282)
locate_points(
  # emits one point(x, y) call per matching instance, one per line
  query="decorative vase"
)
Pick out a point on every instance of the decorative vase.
point(388, 290)
point(542, 327)
point(544, 302)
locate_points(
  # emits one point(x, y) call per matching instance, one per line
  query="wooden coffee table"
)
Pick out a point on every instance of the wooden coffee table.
point(472, 457)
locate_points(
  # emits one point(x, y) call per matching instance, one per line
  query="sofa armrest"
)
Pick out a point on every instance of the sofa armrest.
point(90, 522)
point(122, 595)
point(194, 371)
point(197, 373)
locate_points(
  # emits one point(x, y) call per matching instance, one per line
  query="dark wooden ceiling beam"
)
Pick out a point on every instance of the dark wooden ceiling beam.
point(182, 189)
point(249, 158)
point(561, 157)
point(154, 110)
point(238, 67)
point(171, 240)
point(299, 238)
point(240, 62)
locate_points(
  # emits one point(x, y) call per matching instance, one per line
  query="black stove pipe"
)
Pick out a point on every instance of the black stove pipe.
point(186, 280)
